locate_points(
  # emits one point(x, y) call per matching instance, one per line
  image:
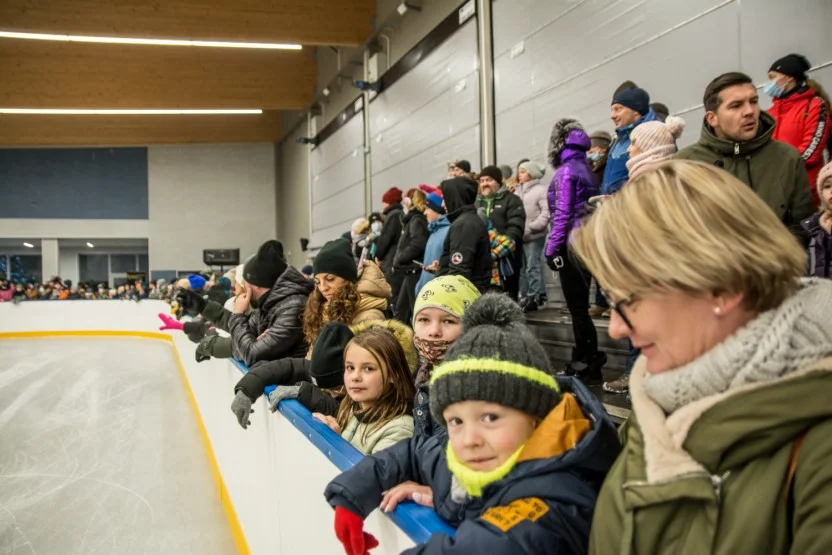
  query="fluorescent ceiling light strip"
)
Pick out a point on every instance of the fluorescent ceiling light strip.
point(154, 42)
point(79, 112)
point(28, 245)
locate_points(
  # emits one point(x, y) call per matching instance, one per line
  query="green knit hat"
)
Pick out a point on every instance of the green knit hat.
point(497, 360)
point(453, 294)
point(336, 258)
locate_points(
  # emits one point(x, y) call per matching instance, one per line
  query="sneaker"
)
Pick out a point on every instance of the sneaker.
point(530, 306)
point(597, 311)
point(621, 385)
point(541, 302)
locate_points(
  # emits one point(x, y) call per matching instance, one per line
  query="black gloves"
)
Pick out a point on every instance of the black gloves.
point(196, 330)
point(556, 261)
point(190, 303)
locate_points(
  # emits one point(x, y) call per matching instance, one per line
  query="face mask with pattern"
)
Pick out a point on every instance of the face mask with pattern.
point(432, 352)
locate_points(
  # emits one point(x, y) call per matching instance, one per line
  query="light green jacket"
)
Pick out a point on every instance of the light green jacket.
point(711, 477)
point(391, 433)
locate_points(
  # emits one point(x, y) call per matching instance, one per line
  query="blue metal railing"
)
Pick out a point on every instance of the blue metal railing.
point(419, 523)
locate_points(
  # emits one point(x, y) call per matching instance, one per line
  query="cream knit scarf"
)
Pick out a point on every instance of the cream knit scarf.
point(777, 342)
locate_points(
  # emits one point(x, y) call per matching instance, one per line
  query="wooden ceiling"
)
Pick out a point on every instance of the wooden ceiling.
point(47, 74)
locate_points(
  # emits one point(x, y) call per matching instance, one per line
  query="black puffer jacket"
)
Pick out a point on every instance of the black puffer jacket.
point(276, 329)
point(285, 371)
point(506, 211)
point(318, 400)
point(412, 243)
point(467, 250)
point(389, 239)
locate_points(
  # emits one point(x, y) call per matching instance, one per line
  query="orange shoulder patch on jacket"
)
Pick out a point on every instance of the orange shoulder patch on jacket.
point(559, 432)
point(508, 516)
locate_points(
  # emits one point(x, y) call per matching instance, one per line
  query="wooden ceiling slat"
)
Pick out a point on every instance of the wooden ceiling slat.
point(36, 130)
point(312, 22)
point(38, 74)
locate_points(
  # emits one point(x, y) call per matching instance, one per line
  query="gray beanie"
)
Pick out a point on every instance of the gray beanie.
point(497, 360)
point(534, 170)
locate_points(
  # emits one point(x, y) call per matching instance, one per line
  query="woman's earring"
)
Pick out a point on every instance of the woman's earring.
point(718, 310)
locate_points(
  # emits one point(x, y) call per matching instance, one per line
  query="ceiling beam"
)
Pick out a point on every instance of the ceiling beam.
point(312, 22)
point(58, 131)
point(38, 74)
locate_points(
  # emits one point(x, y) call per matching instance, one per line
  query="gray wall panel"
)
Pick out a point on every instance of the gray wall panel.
point(576, 53)
point(428, 117)
point(337, 192)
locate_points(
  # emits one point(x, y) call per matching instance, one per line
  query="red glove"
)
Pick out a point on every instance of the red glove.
point(170, 323)
point(349, 528)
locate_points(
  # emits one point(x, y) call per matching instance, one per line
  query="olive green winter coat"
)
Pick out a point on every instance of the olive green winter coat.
point(774, 170)
point(711, 477)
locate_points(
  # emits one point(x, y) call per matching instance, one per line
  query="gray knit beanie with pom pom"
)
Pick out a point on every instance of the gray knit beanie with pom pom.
point(497, 360)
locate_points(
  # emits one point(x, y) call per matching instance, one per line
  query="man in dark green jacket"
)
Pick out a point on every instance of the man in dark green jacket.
point(737, 137)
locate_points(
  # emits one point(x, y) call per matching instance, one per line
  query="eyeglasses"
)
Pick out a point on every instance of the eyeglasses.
point(619, 306)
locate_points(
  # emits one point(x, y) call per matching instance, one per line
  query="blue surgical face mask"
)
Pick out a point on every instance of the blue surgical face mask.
point(773, 89)
point(594, 156)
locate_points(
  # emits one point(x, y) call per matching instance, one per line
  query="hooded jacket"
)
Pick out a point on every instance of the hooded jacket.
point(533, 195)
point(820, 247)
point(616, 173)
point(412, 243)
point(373, 294)
point(572, 185)
point(544, 505)
point(438, 230)
point(275, 329)
point(467, 250)
point(803, 121)
point(388, 241)
point(388, 435)
point(774, 170)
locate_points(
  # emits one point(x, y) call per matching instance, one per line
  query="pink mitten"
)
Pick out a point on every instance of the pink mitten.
point(170, 323)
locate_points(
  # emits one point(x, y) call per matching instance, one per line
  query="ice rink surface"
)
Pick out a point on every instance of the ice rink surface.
point(100, 452)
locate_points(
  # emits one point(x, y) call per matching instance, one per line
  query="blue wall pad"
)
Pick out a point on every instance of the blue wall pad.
point(74, 183)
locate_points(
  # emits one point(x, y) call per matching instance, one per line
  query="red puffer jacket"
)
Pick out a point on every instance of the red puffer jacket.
point(803, 122)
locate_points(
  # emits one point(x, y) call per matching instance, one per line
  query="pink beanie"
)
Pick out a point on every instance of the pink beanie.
point(824, 175)
point(657, 142)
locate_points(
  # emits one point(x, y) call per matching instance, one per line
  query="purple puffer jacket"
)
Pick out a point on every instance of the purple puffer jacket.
point(571, 187)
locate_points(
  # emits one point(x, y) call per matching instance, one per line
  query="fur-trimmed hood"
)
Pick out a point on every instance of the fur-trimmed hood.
point(403, 334)
point(567, 133)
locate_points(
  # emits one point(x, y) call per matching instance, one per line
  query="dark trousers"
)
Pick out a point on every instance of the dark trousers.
point(574, 281)
point(395, 280)
point(512, 283)
point(407, 298)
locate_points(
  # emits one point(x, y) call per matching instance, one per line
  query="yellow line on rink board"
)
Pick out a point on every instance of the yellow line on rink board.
point(230, 513)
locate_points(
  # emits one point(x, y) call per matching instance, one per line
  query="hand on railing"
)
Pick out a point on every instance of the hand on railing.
point(331, 422)
point(349, 528)
point(241, 407)
point(282, 392)
point(170, 323)
point(419, 494)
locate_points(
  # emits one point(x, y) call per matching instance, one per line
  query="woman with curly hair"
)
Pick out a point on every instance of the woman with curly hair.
point(342, 294)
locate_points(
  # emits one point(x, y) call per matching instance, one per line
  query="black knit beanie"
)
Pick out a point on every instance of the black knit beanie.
point(793, 65)
point(493, 172)
point(263, 269)
point(328, 355)
point(634, 99)
point(497, 360)
point(336, 258)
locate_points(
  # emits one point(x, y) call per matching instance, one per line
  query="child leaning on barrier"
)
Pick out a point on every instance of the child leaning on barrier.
point(317, 384)
point(376, 413)
point(524, 458)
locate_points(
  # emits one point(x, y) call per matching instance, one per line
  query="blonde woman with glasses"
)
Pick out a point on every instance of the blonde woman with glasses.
point(728, 447)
